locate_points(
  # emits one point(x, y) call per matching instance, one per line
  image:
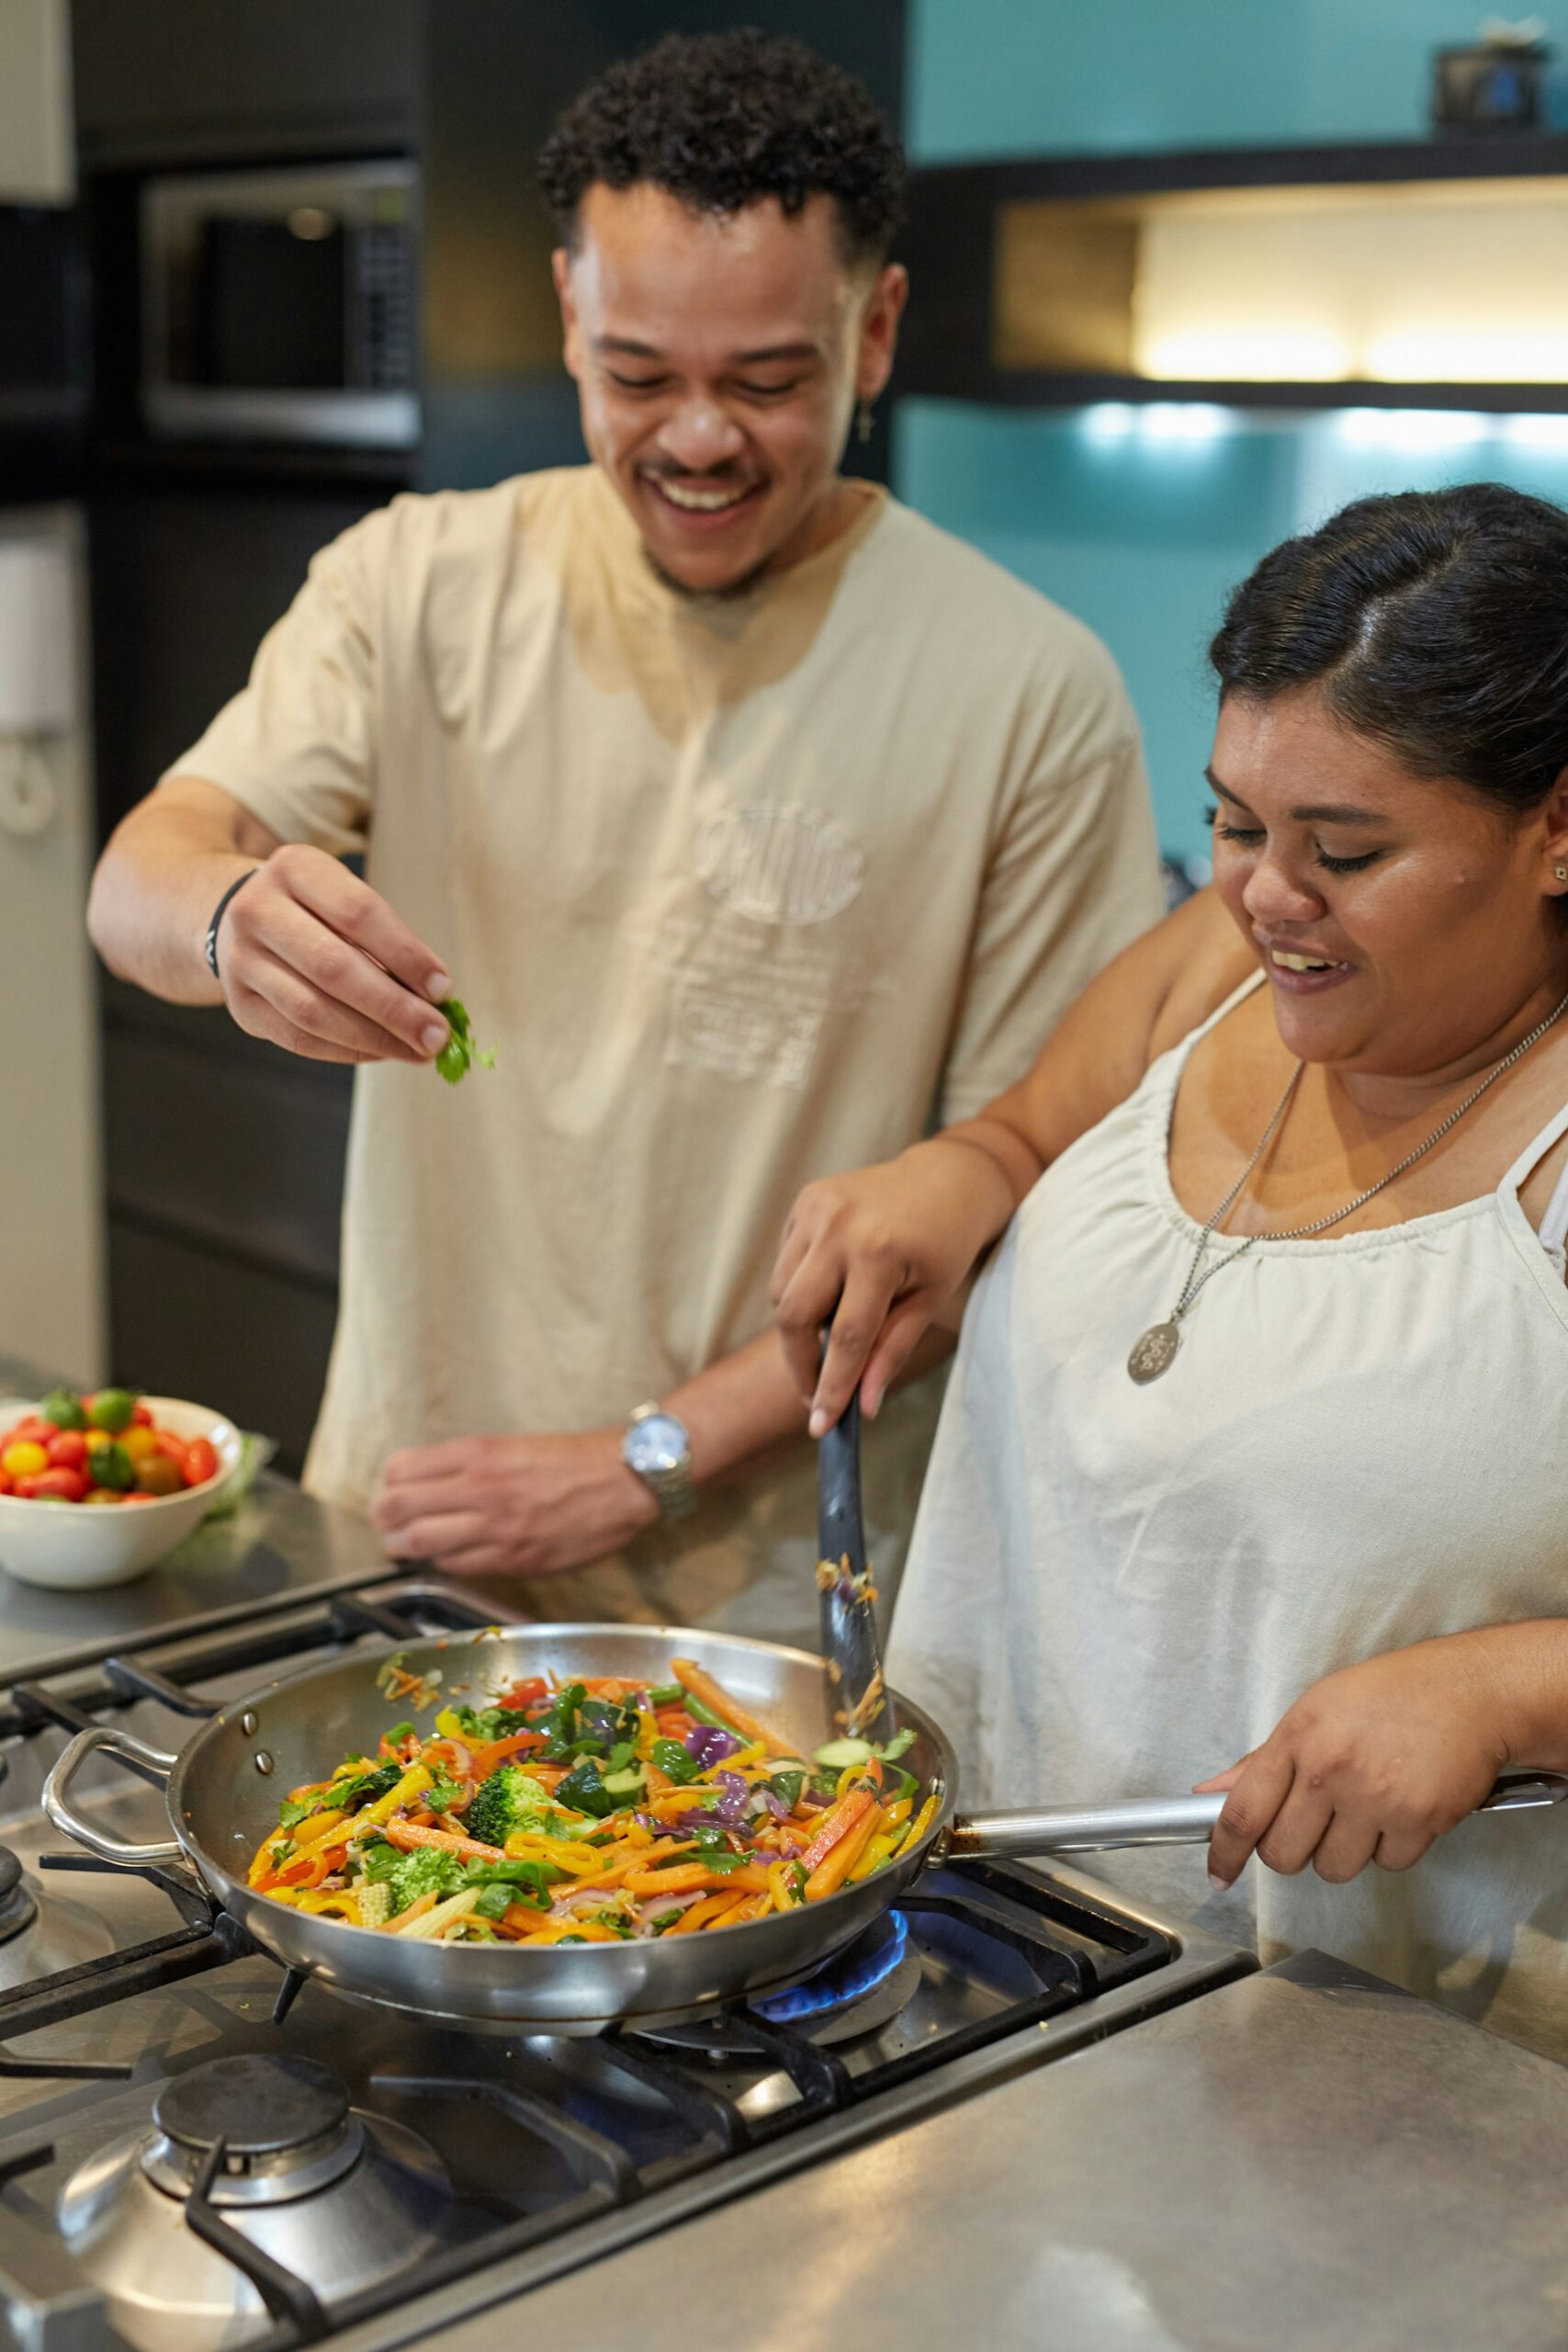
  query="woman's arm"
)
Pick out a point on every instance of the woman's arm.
point(1375, 1761)
point(889, 1250)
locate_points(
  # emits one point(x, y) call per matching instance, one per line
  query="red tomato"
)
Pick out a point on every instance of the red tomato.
point(31, 1430)
point(61, 1485)
point(140, 1416)
point(6, 1482)
point(26, 1487)
point(134, 1496)
point(200, 1462)
point(175, 1447)
point(525, 1694)
point(67, 1449)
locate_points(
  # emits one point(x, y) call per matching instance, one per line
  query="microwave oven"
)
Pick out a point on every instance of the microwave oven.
point(280, 305)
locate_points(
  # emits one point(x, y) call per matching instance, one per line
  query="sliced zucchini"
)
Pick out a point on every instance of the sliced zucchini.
point(628, 1782)
point(839, 1754)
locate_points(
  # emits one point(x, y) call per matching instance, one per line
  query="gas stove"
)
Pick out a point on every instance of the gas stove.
point(198, 2149)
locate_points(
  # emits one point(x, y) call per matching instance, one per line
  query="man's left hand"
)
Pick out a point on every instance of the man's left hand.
point(1368, 1766)
point(512, 1506)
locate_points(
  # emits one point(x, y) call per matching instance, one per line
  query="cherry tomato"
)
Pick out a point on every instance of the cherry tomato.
point(102, 1495)
point(58, 1485)
point(6, 1482)
point(68, 1450)
point(31, 1430)
point(137, 1442)
point(25, 1459)
point(135, 1496)
point(111, 1409)
point(141, 1415)
point(201, 1462)
point(26, 1487)
point(157, 1474)
point(175, 1447)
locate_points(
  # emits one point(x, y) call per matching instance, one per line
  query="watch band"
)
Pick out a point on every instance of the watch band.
point(210, 942)
point(671, 1488)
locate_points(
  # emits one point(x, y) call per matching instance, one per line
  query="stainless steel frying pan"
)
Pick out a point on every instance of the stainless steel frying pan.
point(223, 1789)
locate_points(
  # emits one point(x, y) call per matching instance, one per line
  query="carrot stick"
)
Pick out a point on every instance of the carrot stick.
point(830, 1875)
point(498, 1751)
point(836, 1823)
point(408, 1834)
point(706, 1914)
point(716, 1699)
point(683, 1880)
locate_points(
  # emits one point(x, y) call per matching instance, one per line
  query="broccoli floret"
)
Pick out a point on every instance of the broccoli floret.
point(510, 1800)
point(430, 1870)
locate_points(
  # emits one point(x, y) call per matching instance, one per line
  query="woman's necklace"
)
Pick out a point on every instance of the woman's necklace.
point(1156, 1351)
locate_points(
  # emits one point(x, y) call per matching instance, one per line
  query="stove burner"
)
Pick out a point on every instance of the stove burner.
point(285, 2124)
point(17, 1909)
point(333, 2199)
point(847, 1977)
point(259, 2106)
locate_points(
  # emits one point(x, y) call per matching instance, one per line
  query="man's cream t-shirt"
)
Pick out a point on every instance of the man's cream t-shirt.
point(739, 888)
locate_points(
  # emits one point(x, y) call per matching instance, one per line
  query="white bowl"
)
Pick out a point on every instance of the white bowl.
point(76, 1548)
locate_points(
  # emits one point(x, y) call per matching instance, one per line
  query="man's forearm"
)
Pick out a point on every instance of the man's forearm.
point(157, 882)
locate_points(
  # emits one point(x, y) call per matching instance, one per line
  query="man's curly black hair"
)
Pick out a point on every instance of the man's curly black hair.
point(724, 120)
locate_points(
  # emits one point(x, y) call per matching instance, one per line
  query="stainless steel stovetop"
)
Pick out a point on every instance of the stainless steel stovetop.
point(382, 2177)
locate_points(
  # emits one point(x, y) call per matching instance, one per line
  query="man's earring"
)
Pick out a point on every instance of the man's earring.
point(1561, 872)
point(865, 419)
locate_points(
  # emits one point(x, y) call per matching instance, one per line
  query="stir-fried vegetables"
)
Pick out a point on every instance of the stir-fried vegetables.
point(589, 1812)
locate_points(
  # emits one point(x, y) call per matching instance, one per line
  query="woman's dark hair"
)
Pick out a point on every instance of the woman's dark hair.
point(724, 119)
point(1434, 621)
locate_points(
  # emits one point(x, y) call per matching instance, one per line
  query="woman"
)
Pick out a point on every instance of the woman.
point(1253, 1454)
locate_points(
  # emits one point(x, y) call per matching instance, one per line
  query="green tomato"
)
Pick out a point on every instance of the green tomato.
point(63, 1407)
point(111, 1466)
point(111, 1408)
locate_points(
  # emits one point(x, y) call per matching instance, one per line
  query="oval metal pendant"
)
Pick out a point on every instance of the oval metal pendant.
point(1155, 1353)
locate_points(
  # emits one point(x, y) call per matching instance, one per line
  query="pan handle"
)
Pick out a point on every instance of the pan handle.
point(154, 1764)
point(1167, 1821)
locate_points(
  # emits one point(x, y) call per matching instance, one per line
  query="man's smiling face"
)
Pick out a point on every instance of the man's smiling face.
point(718, 357)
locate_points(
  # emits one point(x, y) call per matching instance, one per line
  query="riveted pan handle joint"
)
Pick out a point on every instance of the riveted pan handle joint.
point(152, 1763)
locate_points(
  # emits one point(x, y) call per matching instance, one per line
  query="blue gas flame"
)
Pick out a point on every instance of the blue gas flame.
point(840, 1980)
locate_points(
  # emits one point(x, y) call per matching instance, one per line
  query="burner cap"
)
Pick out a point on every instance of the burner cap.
point(17, 1909)
point(259, 2106)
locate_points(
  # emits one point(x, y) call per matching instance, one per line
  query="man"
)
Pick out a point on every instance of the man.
point(751, 815)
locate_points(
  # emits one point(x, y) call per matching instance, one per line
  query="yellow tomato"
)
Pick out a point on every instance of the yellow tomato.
point(138, 1443)
point(24, 1460)
point(100, 1437)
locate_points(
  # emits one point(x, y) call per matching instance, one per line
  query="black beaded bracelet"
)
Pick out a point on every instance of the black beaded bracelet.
point(218, 913)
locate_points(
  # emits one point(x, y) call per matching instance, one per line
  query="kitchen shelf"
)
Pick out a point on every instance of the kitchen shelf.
point(1036, 276)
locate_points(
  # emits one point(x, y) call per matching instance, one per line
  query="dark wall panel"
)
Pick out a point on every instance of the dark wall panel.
point(186, 579)
point(246, 1340)
point(184, 80)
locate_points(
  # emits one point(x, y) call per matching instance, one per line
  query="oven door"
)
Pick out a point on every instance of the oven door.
point(280, 306)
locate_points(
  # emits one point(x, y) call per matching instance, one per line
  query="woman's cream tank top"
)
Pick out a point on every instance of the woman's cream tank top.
point(1363, 1442)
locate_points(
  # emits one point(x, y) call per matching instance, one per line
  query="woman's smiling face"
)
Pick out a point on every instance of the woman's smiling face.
point(1402, 920)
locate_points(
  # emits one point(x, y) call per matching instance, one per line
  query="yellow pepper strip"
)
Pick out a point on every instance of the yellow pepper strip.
point(568, 1854)
point(318, 1826)
point(756, 1906)
point(342, 1905)
point(875, 1854)
point(894, 1817)
point(416, 1777)
point(262, 1864)
point(835, 1868)
point(735, 1763)
point(707, 1913)
point(559, 1929)
point(920, 1824)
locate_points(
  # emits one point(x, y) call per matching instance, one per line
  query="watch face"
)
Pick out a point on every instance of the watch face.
point(659, 1443)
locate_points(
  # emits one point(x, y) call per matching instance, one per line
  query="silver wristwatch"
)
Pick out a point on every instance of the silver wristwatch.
point(656, 1448)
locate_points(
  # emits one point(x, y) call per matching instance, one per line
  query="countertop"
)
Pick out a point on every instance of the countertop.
point(1306, 2158)
point(279, 1544)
